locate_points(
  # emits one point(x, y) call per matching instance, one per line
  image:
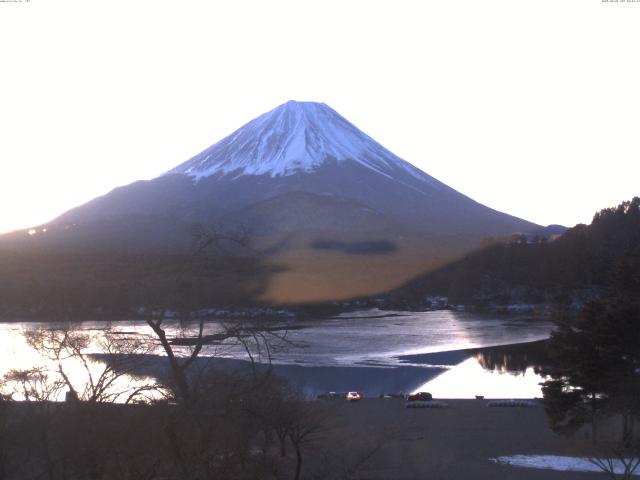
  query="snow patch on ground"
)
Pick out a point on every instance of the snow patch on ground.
point(557, 463)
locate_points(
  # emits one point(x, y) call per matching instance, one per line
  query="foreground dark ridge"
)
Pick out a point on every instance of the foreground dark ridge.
point(374, 438)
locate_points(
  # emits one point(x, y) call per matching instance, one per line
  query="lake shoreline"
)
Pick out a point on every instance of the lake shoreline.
point(431, 358)
point(373, 380)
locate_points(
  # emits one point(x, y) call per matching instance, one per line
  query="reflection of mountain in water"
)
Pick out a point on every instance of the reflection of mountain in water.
point(514, 359)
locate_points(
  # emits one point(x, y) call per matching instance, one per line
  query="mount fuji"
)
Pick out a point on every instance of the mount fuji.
point(293, 138)
point(343, 214)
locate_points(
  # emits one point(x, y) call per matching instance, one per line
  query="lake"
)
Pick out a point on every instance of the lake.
point(373, 351)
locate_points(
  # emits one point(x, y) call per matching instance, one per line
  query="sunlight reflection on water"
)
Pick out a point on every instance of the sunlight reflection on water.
point(468, 379)
point(366, 339)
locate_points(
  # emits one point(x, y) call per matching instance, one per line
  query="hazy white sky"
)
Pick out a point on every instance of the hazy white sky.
point(530, 107)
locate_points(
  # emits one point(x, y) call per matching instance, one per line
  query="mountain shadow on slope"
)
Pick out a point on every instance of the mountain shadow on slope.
point(72, 286)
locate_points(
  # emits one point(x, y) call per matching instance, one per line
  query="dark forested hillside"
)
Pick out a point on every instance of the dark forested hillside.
point(524, 270)
point(93, 285)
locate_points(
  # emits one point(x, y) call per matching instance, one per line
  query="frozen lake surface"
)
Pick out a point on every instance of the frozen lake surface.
point(372, 351)
point(375, 337)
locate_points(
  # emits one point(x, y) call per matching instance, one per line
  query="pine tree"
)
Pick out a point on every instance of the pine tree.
point(595, 359)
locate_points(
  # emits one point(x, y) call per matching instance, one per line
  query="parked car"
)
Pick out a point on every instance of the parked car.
point(354, 396)
point(419, 396)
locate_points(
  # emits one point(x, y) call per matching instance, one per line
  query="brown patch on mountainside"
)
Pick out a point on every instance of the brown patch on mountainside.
point(308, 267)
point(319, 268)
point(338, 276)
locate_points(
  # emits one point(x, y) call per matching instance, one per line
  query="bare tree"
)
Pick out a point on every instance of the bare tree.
point(204, 239)
point(259, 341)
point(271, 409)
point(99, 381)
point(6, 442)
point(37, 388)
point(183, 347)
point(307, 422)
point(34, 384)
point(179, 366)
point(618, 462)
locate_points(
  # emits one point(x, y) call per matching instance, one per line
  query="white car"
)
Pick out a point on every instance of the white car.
point(354, 396)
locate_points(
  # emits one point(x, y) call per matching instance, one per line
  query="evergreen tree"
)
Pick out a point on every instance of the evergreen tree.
point(595, 359)
point(578, 373)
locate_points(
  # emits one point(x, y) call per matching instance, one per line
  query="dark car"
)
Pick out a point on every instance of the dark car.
point(419, 396)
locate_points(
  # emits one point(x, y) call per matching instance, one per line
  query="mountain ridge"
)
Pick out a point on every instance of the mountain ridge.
point(293, 137)
point(577, 267)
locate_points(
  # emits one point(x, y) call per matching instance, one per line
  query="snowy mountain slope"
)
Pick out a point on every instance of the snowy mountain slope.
point(296, 211)
point(301, 147)
point(294, 137)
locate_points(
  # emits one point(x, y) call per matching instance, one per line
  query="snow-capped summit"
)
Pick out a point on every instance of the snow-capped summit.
point(294, 137)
